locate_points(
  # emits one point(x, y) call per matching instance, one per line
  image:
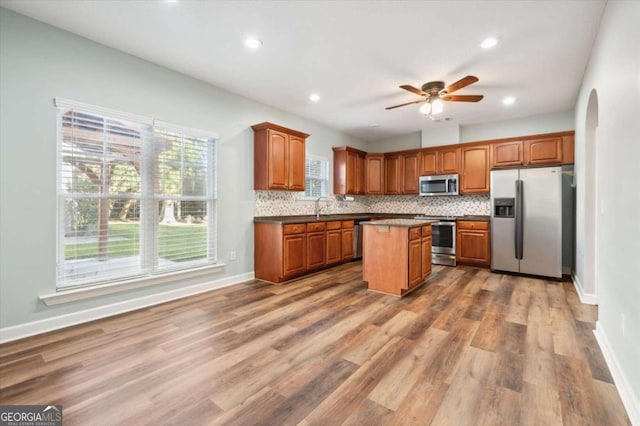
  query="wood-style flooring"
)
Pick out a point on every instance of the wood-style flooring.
point(467, 348)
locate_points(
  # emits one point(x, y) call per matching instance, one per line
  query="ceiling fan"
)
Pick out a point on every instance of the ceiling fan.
point(434, 92)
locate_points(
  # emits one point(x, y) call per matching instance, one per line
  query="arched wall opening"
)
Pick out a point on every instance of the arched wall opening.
point(591, 196)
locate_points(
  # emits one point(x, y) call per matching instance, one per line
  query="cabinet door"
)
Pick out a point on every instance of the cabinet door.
point(316, 250)
point(426, 257)
point(473, 246)
point(507, 154)
point(475, 169)
point(393, 175)
point(543, 151)
point(347, 243)
point(360, 180)
point(278, 159)
point(295, 254)
point(410, 173)
point(428, 163)
point(448, 161)
point(296, 163)
point(352, 164)
point(374, 174)
point(334, 246)
point(415, 262)
point(568, 149)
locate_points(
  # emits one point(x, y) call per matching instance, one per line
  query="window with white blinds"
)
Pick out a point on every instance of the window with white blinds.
point(135, 198)
point(316, 177)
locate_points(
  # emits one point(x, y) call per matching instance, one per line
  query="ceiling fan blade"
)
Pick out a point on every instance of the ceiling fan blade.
point(463, 98)
point(464, 82)
point(413, 89)
point(408, 103)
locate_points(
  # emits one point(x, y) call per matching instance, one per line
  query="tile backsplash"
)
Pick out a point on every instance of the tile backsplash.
point(285, 203)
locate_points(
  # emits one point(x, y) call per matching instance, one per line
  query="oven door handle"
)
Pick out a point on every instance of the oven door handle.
point(451, 224)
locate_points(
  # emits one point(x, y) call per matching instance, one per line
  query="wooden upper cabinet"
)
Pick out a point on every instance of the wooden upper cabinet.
point(543, 151)
point(448, 161)
point(428, 162)
point(568, 149)
point(411, 173)
point(507, 154)
point(475, 166)
point(374, 174)
point(360, 175)
point(393, 174)
point(279, 157)
point(348, 170)
point(296, 163)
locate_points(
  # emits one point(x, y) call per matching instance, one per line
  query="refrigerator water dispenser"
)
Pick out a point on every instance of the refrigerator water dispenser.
point(504, 207)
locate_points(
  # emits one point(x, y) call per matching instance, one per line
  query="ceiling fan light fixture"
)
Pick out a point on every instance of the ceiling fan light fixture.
point(436, 107)
point(426, 108)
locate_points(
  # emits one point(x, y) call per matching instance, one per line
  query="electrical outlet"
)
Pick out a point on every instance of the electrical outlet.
point(233, 255)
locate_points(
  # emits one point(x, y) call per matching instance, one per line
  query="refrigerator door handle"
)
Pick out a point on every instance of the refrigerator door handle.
point(519, 220)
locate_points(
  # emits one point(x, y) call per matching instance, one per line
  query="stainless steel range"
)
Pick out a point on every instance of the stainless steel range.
point(443, 246)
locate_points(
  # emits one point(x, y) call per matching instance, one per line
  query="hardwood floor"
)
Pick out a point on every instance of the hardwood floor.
point(468, 347)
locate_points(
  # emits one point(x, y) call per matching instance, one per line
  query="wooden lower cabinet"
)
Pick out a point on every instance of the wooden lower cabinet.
point(347, 240)
point(316, 249)
point(415, 262)
point(396, 259)
point(294, 256)
point(286, 251)
point(334, 246)
point(473, 244)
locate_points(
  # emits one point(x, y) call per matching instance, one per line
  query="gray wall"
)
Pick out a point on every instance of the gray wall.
point(397, 143)
point(39, 62)
point(608, 246)
point(532, 125)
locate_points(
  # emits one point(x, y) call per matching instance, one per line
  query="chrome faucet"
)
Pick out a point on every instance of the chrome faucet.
point(317, 208)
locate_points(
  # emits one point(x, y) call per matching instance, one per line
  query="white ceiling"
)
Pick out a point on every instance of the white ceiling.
point(355, 54)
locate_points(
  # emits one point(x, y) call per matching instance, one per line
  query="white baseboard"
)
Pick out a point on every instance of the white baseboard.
point(589, 299)
point(629, 399)
point(20, 331)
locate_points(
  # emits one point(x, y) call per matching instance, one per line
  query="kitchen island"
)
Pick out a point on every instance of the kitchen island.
point(396, 256)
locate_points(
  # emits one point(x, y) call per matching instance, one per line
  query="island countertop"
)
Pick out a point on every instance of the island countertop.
point(408, 223)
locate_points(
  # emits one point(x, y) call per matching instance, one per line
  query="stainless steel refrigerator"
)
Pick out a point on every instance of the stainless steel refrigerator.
point(526, 221)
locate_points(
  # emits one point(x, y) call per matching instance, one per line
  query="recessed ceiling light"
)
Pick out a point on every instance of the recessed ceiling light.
point(508, 100)
point(252, 42)
point(489, 42)
point(314, 97)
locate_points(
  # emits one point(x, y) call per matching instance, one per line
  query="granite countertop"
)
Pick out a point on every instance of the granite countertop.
point(327, 218)
point(353, 216)
point(400, 222)
point(477, 218)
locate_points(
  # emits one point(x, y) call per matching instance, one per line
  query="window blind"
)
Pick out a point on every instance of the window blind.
point(133, 200)
point(316, 177)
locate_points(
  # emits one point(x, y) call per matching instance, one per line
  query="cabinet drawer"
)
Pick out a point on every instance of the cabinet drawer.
point(473, 225)
point(414, 233)
point(426, 230)
point(347, 224)
point(334, 225)
point(297, 228)
point(315, 226)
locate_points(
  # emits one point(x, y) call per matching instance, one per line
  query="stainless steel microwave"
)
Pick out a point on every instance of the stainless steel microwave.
point(439, 185)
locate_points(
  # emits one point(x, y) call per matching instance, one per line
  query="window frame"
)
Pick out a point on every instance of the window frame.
point(149, 221)
point(327, 166)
